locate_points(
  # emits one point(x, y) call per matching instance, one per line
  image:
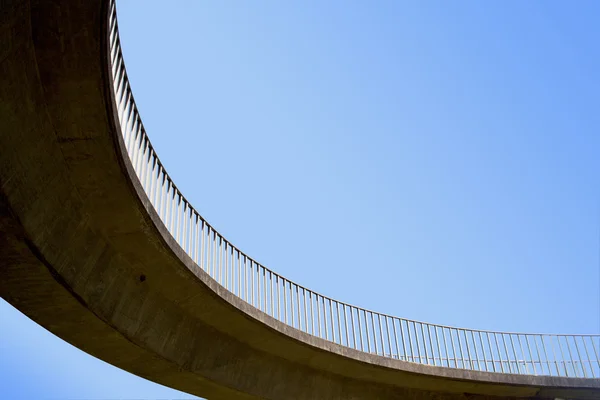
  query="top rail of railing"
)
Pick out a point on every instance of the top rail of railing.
point(322, 316)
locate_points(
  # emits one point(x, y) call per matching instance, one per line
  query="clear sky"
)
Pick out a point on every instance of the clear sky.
point(433, 160)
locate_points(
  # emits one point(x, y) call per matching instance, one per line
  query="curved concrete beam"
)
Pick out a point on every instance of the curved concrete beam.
point(83, 253)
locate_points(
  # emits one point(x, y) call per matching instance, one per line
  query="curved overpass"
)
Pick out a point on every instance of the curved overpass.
point(98, 246)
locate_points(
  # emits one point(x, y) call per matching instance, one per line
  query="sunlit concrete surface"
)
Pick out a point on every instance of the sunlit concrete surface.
point(84, 254)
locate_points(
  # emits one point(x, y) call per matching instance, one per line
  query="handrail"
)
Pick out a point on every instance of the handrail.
point(322, 316)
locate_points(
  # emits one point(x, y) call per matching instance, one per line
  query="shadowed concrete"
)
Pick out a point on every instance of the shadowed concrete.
point(77, 232)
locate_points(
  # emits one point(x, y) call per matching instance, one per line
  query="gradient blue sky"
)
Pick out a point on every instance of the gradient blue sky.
point(433, 160)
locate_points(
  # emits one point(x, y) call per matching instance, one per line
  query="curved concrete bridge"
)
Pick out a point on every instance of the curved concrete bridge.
point(98, 246)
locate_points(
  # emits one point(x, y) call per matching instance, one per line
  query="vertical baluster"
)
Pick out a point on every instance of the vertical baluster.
point(318, 308)
point(462, 355)
point(389, 339)
point(163, 198)
point(512, 345)
point(168, 206)
point(580, 359)
point(179, 221)
point(571, 356)
point(359, 329)
point(130, 125)
point(190, 231)
point(220, 261)
point(141, 158)
point(352, 329)
point(144, 163)
point(252, 273)
point(562, 356)
point(272, 303)
point(158, 189)
point(408, 351)
point(410, 344)
point(207, 250)
point(293, 314)
point(231, 268)
point(346, 325)
point(381, 334)
point(173, 210)
point(530, 354)
point(196, 237)
point(214, 256)
point(545, 355)
point(278, 298)
point(595, 352)
point(506, 351)
point(246, 292)
point(150, 175)
point(284, 301)
point(374, 333)
point(587, 354)
point(597, 360)
point(258, 288)
point(523, 354)
point(256, 283)
point(498, 351)
point(202, 239)
point(483, 356)
point(312, 313)
point(339, 321)
point(239, 272)
point(332, 323)
point(298, 308)
point(138, 143)
point(395, 337)
point(148, 169)
point(231, 272)
point(305, 310)
point(183, 226)
point(424, 343)
point(453, 349)
point(224, 262)
point(487, 335)
point(540, 339)
point(324, 318)
point(367, 332)
point(464, 332)
point(174, 213)
point(264, 291)
point(121, 95)
point(475, 349)
point(430, 344)
point(439, 347)
point(154, 183)
point(589, 360)
point(551, 338)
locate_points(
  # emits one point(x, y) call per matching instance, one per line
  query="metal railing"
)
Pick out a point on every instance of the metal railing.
point(321, 316)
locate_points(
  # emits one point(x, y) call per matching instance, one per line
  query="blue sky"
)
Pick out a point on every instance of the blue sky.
point(432, 160)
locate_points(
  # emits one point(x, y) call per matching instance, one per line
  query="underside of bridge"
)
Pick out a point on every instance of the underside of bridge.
point(83, 253)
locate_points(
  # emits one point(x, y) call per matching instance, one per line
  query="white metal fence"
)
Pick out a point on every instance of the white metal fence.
point(318, 315)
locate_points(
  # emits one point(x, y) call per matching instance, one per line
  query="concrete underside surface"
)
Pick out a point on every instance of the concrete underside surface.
point(77, 232)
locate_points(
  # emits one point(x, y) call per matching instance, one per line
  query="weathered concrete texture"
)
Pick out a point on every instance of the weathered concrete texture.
point(76, 233)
